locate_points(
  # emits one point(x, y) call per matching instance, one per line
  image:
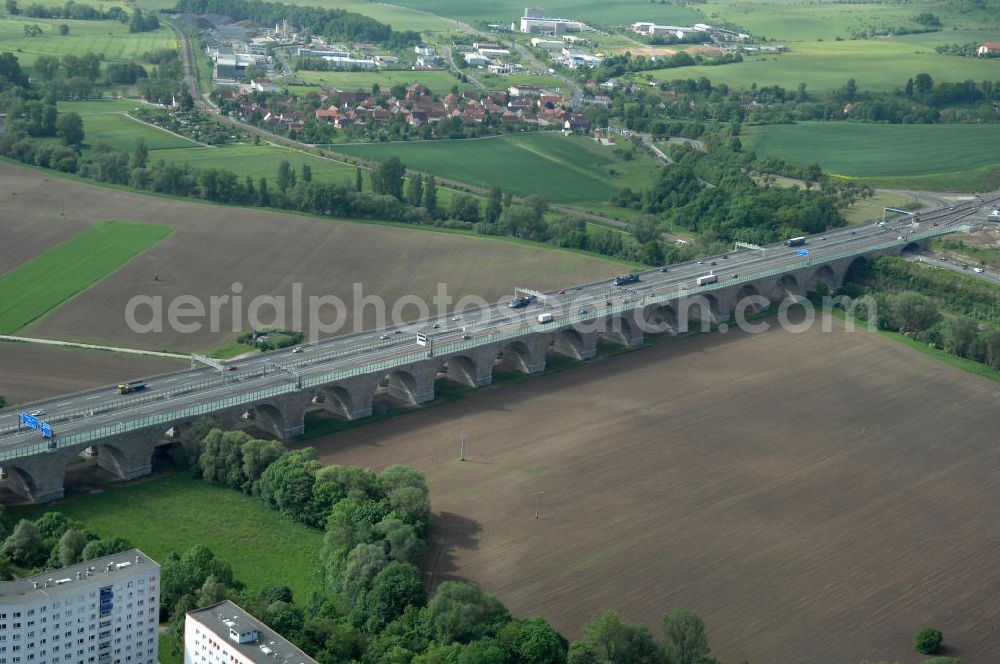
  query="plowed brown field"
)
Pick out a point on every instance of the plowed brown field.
point(29, 372)
point(215, 246)
point(816, 497)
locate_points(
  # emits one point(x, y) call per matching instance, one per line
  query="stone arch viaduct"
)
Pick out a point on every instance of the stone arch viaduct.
point(125, 448)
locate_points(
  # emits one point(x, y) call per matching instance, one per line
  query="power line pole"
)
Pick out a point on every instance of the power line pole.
point(461, 453)
point(538, 500)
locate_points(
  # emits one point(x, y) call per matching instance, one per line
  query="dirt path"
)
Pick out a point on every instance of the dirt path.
point(72, 344)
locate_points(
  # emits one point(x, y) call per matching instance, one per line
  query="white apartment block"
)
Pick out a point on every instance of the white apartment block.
point(103, 611)
point(224, 633)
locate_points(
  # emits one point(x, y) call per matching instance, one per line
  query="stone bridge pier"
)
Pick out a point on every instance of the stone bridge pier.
point(41, 477)
point(472, 368)
point(130, 455)
point(525, 355)
point(412, 384)
point(351, 398)
point(284, 417)
point(573, 343)
point(625, 329)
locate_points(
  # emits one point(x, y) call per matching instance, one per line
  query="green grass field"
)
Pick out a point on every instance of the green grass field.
point(259, 161)
point(945, 151)
point(173, 513)
point(99, 106)
point(562, 169)
point(794, 20)
point(412, 16)
point(44, 282)
point(868, 209)
point(103, 5)
point(108, 37)
point(609, 13)
point(121, 132)
point(256, 160)
point(876, 65)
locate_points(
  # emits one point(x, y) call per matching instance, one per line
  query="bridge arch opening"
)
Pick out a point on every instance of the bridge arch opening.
point(856, 268)
point(625, 329)
point(661, 318)
point(912, 248)
point(269, 418)
point(568, 342)
point(825, 276)
point(622, 325)
point(749, 299)
point(112, 459)
point(515, 356)
point(20, 481)
point(337, 401)
point(705, 308)
point(459, 369)
point(398, 387)
point(787, 287)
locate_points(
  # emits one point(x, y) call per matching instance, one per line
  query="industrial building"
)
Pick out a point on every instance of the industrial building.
point(534, 22)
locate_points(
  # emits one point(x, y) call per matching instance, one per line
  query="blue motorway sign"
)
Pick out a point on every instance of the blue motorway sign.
point(45, 429)
point(29, 421)
point(803, 252)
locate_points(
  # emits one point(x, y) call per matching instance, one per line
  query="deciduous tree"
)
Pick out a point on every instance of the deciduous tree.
point(69, 126)
point(686, 639)
point(24, 545)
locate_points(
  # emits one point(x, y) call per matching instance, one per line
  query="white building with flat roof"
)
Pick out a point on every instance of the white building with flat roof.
point(103, 611)
point(654, 30)
point(547, 44)
point(224, 633)
point(534, 22)
point(350, 63)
